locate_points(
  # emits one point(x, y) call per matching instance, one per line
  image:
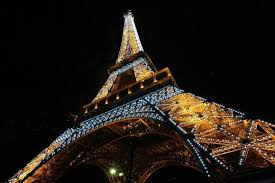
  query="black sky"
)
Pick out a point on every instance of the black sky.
point(54, 57)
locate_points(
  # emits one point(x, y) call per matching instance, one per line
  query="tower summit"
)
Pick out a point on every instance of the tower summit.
point(130, 43)
point(131, 51)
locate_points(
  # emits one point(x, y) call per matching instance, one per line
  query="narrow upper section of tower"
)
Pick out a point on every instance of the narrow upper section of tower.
point(130, 43)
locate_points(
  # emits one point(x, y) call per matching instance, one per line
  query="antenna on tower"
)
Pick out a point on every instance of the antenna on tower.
point(128, 13)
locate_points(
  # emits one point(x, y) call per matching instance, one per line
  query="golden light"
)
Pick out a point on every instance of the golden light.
point(120, 174)
point(129, 91)
point(112, 171)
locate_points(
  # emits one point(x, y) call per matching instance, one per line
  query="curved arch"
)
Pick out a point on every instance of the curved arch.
point(105, 125)
point(82, 174)
point(155, 130)
point(118, 121)
point(160, 164)
point(177, 159)
point(187, 146)
point(149, 133)
point(128, 120)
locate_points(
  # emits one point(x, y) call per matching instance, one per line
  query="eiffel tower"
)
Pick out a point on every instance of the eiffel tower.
point(141, 121)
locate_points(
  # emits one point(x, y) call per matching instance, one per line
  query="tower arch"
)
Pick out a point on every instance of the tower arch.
point(176, 166)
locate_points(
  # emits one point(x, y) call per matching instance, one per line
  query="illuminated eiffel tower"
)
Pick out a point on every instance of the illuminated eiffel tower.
point(140, 121)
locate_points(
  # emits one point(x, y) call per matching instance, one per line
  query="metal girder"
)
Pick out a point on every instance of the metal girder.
point(226, 149)
point(266, 128)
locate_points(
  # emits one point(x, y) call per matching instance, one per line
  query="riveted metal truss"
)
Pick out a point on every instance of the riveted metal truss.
point(141, 70)
point(224, 132)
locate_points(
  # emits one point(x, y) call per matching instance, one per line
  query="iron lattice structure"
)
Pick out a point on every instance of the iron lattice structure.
point(139, 103)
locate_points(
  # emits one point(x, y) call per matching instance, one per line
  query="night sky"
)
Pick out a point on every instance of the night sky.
point(54, 58)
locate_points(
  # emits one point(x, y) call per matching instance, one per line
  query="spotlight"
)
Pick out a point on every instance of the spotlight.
point(112, 171)
point(120, 174)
